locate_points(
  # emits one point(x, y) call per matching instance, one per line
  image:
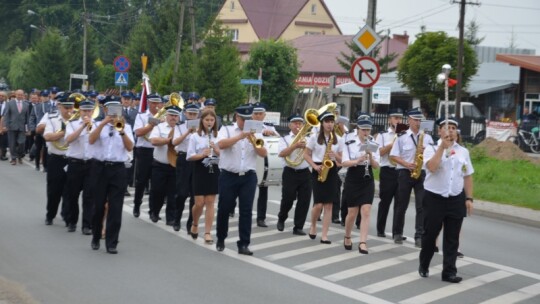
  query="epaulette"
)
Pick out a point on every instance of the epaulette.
point(54, 115)
point(383, 131)
point(401, 133)
point(350, 131)
point(268, 124)
point(350, 142)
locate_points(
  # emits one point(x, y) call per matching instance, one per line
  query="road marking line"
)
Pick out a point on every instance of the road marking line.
point(349, 273)
point(531, 275)
point(292, 253)
point(281, 242)
point(516, 296)
point(453, 289)
point(339, 258)
point(404, 279)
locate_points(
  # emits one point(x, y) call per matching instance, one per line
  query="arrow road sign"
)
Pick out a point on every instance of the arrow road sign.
point(121, 79)
point(365, 71)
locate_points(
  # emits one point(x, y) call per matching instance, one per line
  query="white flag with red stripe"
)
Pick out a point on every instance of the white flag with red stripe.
point(146, 90)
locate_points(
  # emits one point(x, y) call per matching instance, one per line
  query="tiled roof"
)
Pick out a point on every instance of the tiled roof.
point(319, 53)
point(525, 61)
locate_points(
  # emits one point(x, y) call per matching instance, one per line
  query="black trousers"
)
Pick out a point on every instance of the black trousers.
point(108, 188)
point(4, 143)
point(143, 172)
point(16, 141)
point(56, 179)
point(296, 185)
point(447, 213)
point(388, 186)
point(29, 142)
point(405, 184)
point(262, 203)
point(41, 147)
point(184, 171)
point(79, 179)
point(232, 186)
point(163, 186)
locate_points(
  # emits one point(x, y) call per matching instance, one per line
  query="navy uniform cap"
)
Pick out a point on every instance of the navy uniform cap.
point(60, 96)
point(395, 112)
point(193, 95)
point(324, 115)
point(259, 107)
point(112, 100)
point(364, 122)
point(154, 98)
point(174, 110)
point(244, 111)
point(295, 117)
point(137, 96)
point(93, 93)
point(415, 113)
point(45, 93)
point(127, 94)
point(54, 90)
point(451, 120)
point(191, 108)
point(210, 102)
point(86, 104)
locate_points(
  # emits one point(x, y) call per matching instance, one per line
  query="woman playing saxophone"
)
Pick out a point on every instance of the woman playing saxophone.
point(322, 152)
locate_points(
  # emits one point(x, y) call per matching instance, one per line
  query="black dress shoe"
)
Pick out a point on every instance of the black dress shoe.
point(261, 223)
point(280, 225)
point(94, 244)
point(231, 214)
point(86, 231)
point(154, 218)
point(170, 223)
point(127, 193)
point(312, 236)
point(297, 231)
point(136, 211)
point(423, 272)
point(398, 239)
point(460, 255)
point(326, 241)
point(452, 279)
point(48, 222)
point(71, 228)
point(220, 245)
point(244, 250)
point(112, 250)
point(176, 227)
point(381, 234)
point(362, 251)
point(347, 247)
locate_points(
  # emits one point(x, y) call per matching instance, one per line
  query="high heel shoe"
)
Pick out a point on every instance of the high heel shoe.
point(208, 240)
point(347, 247)
point(362, 251)
point(194, 235)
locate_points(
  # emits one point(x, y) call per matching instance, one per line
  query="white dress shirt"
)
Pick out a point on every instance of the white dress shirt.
point(455, 164)
point(384, 139)
point(318, 151)
point(111, 144)
point(140, 122)
point(197, 143)
point(180, 131)
point(53, 124)
point(405, 146)
point(240, 157)
point(162, 130)
point(79, 148)
point(284, 143)
point(351, 151)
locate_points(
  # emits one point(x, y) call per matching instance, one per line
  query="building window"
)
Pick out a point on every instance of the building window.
point(232, 6)
point(312, 33)
point(314, 9)
point(233, 33)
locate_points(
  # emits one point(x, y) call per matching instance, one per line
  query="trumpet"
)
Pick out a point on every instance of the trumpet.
point(119, 123)
point(256, 142)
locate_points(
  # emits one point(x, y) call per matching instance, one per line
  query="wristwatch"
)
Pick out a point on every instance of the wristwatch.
point(122, 133)
point(470, 199)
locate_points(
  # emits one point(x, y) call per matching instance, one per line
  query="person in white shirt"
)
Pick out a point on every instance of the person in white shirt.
point(237, 179)
point(163, 167)
point(115, 139)
point(144, 150)
point(79, 156)
point(403, 153)
point(359, 182)
point(447, 200)
point(296, 179)
point(203, 152)
point(388, 175)
point(324, 190)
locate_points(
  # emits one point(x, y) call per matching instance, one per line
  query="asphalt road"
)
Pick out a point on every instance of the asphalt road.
point(157, 265)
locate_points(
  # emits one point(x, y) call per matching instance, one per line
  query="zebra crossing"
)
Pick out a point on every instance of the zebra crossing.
point(388, 274)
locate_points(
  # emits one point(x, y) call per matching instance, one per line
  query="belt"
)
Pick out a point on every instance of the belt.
point(111, 163)
point(388, 168)
point(57, 155)
point(238, 174)
point(78, 161)
point(297, 170)
point(144, 148)
point(181, 153)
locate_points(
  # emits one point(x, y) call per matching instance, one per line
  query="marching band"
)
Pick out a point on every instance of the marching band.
point(184, 151)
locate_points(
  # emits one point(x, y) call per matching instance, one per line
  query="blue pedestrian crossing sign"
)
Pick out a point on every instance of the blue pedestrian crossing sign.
point(120, 79)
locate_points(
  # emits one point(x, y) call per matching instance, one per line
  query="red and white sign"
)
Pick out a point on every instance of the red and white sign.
point(320, 80)
point(365, 71)
point(500, 130)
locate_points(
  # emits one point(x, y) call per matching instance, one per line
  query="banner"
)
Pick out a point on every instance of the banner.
point(500, 130)
point(143, 104)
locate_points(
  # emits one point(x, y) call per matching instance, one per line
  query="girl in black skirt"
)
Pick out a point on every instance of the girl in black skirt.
point(359, 181)
point(201, 149)
point(324, 192)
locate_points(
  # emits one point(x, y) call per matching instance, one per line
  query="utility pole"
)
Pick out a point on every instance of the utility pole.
point(371, 21)
point(459, 77)
point(192, 15)
point(179, 42)
point(84, 38)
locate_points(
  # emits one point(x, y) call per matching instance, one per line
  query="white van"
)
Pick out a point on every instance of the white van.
point(472, 123)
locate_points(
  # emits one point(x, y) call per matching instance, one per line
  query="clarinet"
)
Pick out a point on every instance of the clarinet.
point(211, 165)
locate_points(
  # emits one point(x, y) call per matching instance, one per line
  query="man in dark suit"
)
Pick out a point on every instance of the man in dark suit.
point(3, 136)
point(14, 119)
point(36, 115)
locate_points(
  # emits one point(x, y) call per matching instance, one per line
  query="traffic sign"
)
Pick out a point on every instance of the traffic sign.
point(121, 64)
point(367, 39)
point(251, 81)
point(121, 79)
point(365, 71)
point(78, 76)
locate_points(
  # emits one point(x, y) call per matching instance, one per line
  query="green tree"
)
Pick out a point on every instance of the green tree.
point(220, 71)
point(422, 62)
point(49, 63)
point(471, 34)
point(18, 70)
point(348, 59)
point(279, 64)
point(104, 75)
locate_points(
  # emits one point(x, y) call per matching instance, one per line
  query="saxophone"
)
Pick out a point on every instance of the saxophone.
point(327, 163)
point(418, 157)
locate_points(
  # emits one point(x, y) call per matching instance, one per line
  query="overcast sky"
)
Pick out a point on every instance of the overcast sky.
point(497, 19)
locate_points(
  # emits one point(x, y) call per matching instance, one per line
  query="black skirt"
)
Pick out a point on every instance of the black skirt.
point(325, 192)
point(359, 189)
point(204, 182)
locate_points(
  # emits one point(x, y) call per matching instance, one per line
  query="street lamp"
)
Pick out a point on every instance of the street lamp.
point(443, 77)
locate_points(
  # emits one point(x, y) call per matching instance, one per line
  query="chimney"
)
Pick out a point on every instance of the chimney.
point(402, 38)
